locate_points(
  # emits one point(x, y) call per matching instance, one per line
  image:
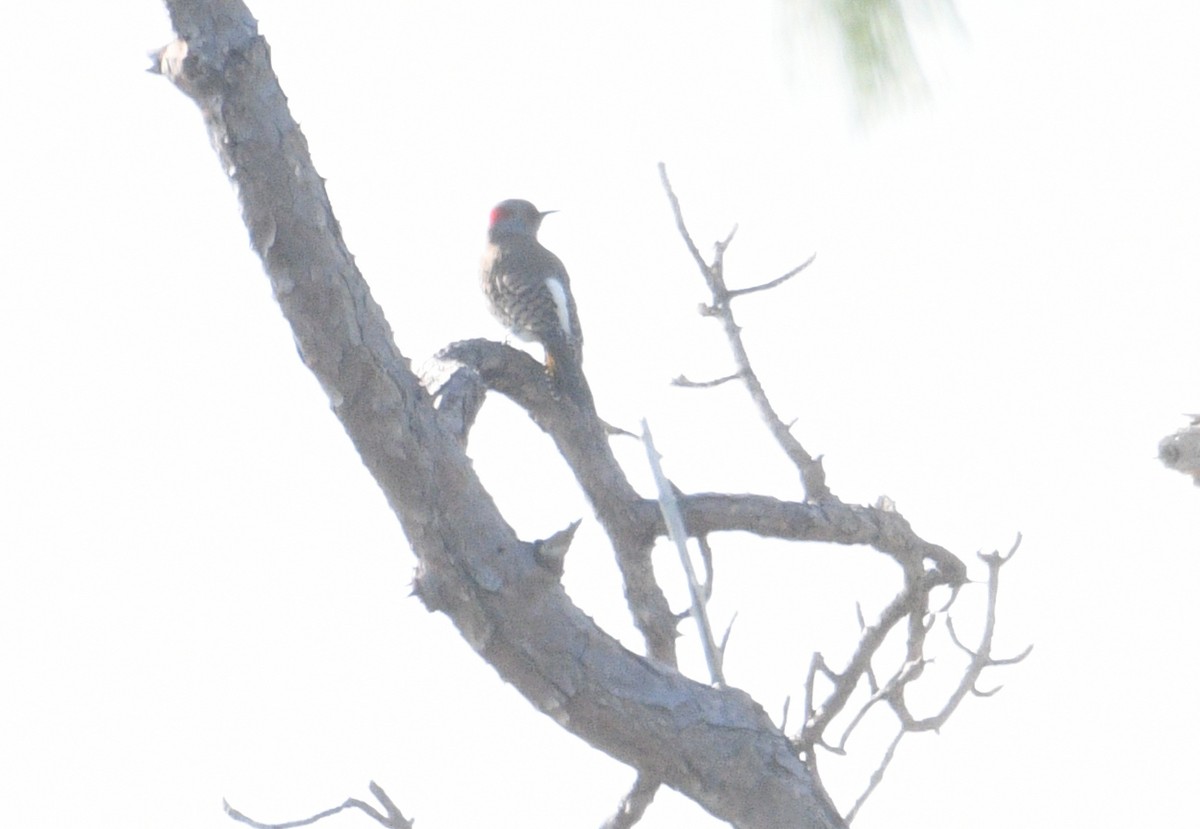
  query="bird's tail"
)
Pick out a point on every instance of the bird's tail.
point(565, 366)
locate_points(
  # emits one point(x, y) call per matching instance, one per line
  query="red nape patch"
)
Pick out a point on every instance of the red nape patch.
point(498, 213)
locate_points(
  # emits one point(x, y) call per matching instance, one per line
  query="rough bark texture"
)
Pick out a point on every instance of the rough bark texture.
point(715, 745)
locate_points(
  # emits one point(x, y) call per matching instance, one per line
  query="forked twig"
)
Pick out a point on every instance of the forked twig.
point(393, 819)
point(812, 473)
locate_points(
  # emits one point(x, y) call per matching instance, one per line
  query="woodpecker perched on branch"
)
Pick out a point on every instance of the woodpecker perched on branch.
point(528, 290)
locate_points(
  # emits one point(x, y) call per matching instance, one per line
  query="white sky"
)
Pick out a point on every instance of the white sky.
point(202, 593)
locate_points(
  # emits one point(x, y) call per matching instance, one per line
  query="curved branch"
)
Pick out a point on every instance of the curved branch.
point(715, 745)
point(833, 521)
point(637, 521)
point(774, 283)
point(580, 436)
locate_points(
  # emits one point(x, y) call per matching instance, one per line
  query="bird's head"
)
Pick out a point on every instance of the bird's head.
point(515, 217)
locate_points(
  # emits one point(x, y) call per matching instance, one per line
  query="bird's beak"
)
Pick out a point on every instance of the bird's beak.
point(546, 213)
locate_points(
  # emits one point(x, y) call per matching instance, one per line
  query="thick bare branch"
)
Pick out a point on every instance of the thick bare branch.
point(631, 522)
point(715, 745)
point(832, 521)
point(458, 398)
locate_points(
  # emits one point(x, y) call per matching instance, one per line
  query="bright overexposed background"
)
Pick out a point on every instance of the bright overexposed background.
point(203, 594)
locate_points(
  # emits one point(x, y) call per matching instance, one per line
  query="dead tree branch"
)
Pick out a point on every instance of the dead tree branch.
point(725, 753)
point(774, 283)
point(823, 516)
point(631, 522)
point(634, 804)
point(390, 818)
point(980, 658)
point(678, 534)
point(812, 473)
point(716, 745)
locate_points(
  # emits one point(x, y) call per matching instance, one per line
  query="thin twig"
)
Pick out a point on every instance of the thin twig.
point(392, 820)
point(685, 383)
point(706, 557)
point(845, 683)
point(678, 534)
point(981, 657)
point(679, 223)
point(907, 673)
point(725, 637)
point(634, 804)
point(774, 283)
point(877, 777)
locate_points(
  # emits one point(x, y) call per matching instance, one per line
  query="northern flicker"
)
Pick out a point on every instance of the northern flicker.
point(529, 291)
